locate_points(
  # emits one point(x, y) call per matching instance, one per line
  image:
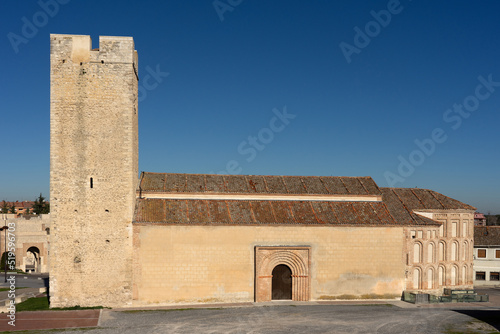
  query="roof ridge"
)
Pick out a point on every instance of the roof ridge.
point(405, 188)
point(300, 176)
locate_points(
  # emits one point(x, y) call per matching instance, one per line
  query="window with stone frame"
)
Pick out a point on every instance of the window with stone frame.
point(497, 253)
point(494, 276)
point(481, 253)
point(480, 276)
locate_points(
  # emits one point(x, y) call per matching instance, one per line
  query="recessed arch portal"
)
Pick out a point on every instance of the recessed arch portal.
point(296, 259)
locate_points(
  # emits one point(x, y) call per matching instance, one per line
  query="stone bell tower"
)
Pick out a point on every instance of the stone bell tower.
point(93, 169)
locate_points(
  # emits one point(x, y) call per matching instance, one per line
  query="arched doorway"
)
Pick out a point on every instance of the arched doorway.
point(282, 282)
point(33, 259)
point(268, 262)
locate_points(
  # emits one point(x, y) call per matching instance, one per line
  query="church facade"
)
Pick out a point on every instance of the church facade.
point(164, 238)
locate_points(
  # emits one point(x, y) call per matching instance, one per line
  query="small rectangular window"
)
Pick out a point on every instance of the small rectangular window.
point(497, 253)
point(480, 276)
point(420, 234)
point(91, 182)
point(481, 253)
point(495, 276)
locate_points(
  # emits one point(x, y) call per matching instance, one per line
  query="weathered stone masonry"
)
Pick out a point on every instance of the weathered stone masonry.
point(94, 169)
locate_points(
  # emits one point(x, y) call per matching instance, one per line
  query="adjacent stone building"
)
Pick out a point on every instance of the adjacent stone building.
point(162, 238)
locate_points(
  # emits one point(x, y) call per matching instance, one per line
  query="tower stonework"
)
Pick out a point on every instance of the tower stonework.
point(93, 169)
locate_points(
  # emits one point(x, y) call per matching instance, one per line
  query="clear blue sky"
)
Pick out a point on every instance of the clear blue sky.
point(362, 85)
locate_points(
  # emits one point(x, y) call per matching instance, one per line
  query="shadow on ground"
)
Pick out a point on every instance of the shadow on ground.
point(491, 317)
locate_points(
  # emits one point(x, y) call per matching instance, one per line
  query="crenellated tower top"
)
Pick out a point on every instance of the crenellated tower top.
point(78, 48)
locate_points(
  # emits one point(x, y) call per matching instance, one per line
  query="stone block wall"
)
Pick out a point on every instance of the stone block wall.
point(94, 169)
point(441, 257)
point(196, 264)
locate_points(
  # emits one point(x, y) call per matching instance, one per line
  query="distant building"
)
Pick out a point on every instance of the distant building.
point(32, 241)
point(479, 219)
point(21, 207)
point(486, 255)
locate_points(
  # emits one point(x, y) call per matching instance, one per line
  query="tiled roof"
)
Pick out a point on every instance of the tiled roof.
point(17, 204)
point(171, 211)
point(414, 199)
point(395, 209)
point(262, 212)
point(257, 184)
point(486, 236)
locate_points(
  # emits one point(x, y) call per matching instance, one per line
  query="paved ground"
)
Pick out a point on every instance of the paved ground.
point(298, 319)
point(50, 319)
point(278, 317)
point(28, 281)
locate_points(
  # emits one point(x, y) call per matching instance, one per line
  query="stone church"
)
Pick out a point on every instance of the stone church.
point(123, 239)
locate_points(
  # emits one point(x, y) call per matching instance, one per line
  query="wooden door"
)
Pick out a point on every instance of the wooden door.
point(282, 282)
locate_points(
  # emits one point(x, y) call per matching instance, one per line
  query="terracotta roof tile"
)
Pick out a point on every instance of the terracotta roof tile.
point(218, 213)
point(397, 208)
point(195, 183)
point(256, 184)
point(295, 185)
point(282, 212)
point(486, 236)
point(263, 212)
point(423, 199)
point(275, 185)
point(237, 212)
point(324, 213)
point(402, 202)
point(174, 182)
point(236, 183)
point(354, 186)
point(335, 185)
point(206, 183)
point(314, 185)
point(213, 184)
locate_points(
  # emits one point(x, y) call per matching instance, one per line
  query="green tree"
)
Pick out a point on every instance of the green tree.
point(40, 206)
point(491, 220)
point(5, 207)
point(4, 259)
point(13, 209)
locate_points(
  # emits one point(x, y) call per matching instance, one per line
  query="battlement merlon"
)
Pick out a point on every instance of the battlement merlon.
point(78, 48)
